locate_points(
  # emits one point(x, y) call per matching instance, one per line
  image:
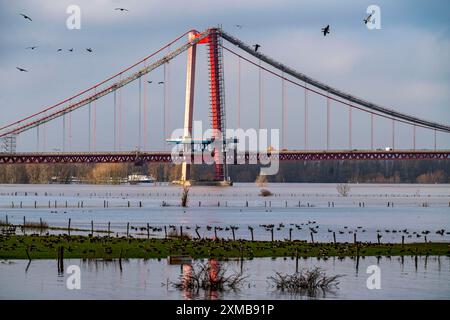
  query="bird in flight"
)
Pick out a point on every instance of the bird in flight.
point(326, 30)
point(59, 50)
point(256, 46)
point(89, 50)
point(161, 82)
point(239, 26)
point(149, 81)
point(70, 50)
point(366, 20)
point(21, 69)
point(32, 48)
point(121, 9)
point(25, 16)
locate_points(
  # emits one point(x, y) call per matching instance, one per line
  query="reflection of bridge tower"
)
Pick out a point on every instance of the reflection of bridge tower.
point(217, 105)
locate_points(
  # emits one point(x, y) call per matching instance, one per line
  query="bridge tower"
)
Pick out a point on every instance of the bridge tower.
point(217, 107)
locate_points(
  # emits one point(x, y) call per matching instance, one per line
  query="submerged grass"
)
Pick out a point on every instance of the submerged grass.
point(45, 247)
point(306, 282)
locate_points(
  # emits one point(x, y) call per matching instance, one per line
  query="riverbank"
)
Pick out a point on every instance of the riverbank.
point(48, 247)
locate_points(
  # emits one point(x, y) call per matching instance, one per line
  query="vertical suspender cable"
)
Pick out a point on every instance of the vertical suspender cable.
point(115, 120)
point(260, 97)
point(414, 137)
point(283, 113)
point(328, 121)
point(435, 144)
point(64, 132)
point(239, 94)
point(393, 133)
point(145, 111)
point(140, 114)
point(90, 127)
point(94, 120)
point(306, 118)
point(38, 143)
point(165, 109)
point(350, 128)
point(120, 117)
point(371, 130)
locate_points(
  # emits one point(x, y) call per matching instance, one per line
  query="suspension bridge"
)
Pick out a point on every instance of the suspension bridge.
point(217, 147)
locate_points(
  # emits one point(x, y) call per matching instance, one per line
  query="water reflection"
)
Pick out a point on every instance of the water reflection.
point(402, 278)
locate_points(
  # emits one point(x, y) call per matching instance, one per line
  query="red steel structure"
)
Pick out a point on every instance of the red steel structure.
point(217, 100)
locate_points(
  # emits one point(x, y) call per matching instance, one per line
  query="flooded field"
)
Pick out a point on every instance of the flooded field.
point(394, 211)
point(416, 213)
point(151, 279)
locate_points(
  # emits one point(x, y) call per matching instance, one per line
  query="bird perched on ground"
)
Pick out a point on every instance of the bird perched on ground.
point(89, 50)
point(121, 9)
point(256, 46)
point(21, 69)
point(326, 30)
point(26, 17)
point(32, 48)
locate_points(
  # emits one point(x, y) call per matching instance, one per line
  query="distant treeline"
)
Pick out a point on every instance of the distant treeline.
point(397, 171)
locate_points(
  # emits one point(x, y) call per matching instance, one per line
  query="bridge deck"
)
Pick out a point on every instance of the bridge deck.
point(241, 158)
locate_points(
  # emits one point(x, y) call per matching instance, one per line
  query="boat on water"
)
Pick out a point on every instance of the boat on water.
point(140, 178)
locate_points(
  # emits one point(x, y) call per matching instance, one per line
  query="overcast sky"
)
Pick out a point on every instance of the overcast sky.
point(403, 66)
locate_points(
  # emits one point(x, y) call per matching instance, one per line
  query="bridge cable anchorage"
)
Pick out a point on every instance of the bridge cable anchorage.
point(380, 114)
point(21, 126)
point(331, 90)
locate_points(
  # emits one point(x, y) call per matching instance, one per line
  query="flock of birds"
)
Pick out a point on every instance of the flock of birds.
point(89, 50)
point(309, 226)
point(325, 30)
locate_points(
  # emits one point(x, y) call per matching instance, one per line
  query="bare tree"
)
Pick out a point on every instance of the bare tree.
point(184, 196)
point(343, 189)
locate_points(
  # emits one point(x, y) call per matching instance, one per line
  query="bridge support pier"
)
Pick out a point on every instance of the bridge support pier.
point(217, 101)
point(189, 107)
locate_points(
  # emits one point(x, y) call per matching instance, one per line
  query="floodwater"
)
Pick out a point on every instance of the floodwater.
point(414, 211)
point(411, 211)
point(151, 279)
